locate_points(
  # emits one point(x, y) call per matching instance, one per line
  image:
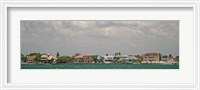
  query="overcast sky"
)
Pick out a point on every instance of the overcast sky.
point(100, 37)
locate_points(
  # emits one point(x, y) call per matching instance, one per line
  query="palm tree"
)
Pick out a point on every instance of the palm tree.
point(106, 54)
point(119, 53)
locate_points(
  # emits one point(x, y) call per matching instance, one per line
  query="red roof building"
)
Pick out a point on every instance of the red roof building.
point(84, 58)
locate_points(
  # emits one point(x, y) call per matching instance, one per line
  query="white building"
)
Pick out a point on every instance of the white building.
point(166, 60)
point(108, 59)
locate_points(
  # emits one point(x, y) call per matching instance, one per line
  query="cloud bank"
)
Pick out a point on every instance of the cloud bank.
point(100, 37)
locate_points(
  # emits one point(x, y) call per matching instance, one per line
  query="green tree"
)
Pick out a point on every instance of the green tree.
point(23, 58)
point(38, 56)
point(160, 56)
point(106, 54)
point(119, 53)
point(62, 59)
point(57, 55)
point(65, 59)
point(177, 58)
point(94, 57)
point(22, 55)
point(70, 59)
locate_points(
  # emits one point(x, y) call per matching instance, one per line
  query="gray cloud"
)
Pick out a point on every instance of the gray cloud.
point(100, 37)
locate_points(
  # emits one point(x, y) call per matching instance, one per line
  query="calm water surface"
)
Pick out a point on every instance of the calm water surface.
point(101, 66)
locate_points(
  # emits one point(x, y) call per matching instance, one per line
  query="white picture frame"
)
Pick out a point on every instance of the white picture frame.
point(6, 4)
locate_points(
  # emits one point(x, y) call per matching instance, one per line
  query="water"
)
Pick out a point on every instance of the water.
point(101, 66)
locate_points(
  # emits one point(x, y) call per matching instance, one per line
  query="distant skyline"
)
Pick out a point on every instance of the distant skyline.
point(129, 37)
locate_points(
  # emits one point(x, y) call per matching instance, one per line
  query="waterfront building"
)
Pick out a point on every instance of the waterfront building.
point(83, 58)
point(134, 60)
point(30, 58)
point(166, 59)
point(127, 59)
point(151, 58)
point(118, 58)
point(121, 58)
point(108, 59)
point(47, 58)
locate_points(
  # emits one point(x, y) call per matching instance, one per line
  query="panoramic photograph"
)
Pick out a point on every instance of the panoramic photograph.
point(99, 44)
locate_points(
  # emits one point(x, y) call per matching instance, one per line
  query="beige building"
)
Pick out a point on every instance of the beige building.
point(47, 58)
point(30, 59)
point(151, 58)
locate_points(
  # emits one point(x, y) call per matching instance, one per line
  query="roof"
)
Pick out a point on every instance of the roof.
point(83, 55)
point(80, 56)
point(47, 57)
point(152, 53)
point(108, 57)
point(50, 57)
point(165, 56)
point(44, 56)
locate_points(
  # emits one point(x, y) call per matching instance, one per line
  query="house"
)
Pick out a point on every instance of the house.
point(121, 58)
point(47, 58)
point(84, 58)
point(107, 59)
point(151, 58)
point(134, 59)
point(127, 59)
point(30, 58)
point(167, 59)
point(164, 58)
